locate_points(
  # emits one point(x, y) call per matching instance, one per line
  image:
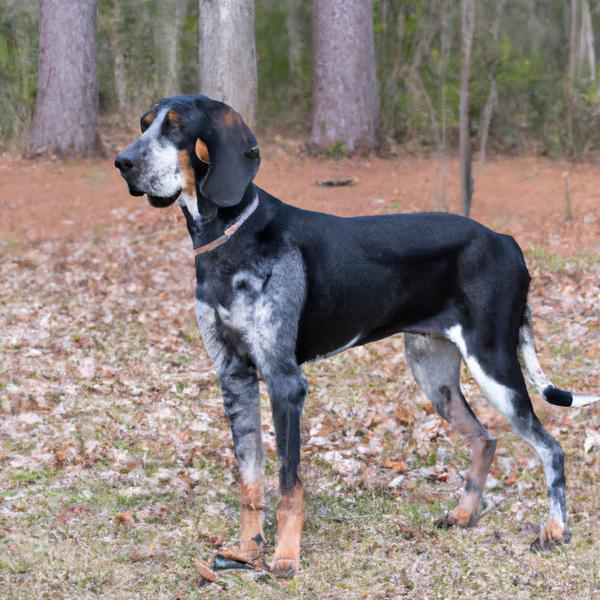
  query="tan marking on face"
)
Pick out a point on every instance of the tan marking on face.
point(189, 177)
point(290, 519)
point(231, 118)
point(251, 519)
point(172, 116)
point(147, 120)
point(202, 151)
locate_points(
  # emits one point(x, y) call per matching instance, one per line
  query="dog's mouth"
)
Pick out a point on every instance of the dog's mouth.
point(156, 201)
point(159, 202)
point(134, 191)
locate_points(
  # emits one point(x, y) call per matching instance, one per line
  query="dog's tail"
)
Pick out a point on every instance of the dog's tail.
point(538, 378)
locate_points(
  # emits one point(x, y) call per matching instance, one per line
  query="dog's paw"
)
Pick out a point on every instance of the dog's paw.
point(285, 567)
point(551, 535)
point(459, 517)
point(252, 549)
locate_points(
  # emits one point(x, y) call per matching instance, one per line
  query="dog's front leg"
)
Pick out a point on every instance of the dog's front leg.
point(241, 400)
point(287, 390)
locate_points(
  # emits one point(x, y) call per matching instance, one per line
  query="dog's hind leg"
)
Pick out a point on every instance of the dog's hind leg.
point(497, 370)
point(435, 364)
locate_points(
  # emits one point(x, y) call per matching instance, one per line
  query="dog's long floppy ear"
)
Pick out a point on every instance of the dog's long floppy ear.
point(233, 158)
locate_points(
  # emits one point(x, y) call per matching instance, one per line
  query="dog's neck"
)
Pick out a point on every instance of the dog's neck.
point(213, 220)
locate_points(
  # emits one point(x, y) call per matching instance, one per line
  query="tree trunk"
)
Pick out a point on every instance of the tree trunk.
point(171, 15)
point(345, 96)
point(467, 11)
point(493, 94)
point(296, 39)
point(118, 54)
point(443, 142)
point(587, 38)
point(570, 91)
point(65, 120)
point(228, 54)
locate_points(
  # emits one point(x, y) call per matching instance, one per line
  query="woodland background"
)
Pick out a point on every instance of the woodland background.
point(149, 48)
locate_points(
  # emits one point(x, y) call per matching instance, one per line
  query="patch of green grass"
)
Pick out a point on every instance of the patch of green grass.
point(552, 261)
point(336, 150)
point(191, 336)
point(32, 476)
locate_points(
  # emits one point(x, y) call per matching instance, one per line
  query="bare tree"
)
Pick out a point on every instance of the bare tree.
point(171, 15)
point(493, 93)
point(345, 97)
point(570, 84)
point(467, 13)
point(228, 54)
point(66, 110)
point(118, 54)
point(414, 82)
point(297, 41)
point(587, 51)
point(443, 138)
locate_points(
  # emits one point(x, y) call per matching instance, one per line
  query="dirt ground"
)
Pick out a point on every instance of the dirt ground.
point(116, 467)
point(524, 196)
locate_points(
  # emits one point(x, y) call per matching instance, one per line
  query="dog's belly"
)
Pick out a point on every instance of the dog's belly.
point(315, 347)
point(376, 313)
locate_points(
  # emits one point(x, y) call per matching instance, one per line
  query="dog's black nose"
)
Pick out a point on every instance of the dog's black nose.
point(123, 163)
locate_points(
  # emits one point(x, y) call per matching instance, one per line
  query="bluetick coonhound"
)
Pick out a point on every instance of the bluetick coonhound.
point(278, 286)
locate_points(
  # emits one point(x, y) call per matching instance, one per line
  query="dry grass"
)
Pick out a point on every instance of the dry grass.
point(117, 469)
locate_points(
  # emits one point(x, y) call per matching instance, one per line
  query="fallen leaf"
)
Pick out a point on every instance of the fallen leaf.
point(512, 478)
point(402, 416)
point(125, 517)
point(204, 570)
point(396, 466)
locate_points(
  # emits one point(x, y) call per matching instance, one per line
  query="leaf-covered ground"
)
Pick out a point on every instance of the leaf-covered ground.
point(116, 467)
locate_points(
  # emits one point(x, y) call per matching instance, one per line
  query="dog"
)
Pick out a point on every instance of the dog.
point(278, 286)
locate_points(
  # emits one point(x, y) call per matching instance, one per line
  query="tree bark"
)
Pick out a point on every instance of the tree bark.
point(296, 39)
point(228, 54)
point(171, 16)
point(443, 141)
point(467, 11)
point(493, 94)
point(118, 55)
point(570, 87)
point(345, 96)
point(65, 120)
point(587, 38)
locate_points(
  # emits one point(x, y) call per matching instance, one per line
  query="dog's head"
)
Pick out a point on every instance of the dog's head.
point(187, 140)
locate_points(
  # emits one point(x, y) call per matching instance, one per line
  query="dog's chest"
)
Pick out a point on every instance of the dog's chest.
point(250, 306)
point(252, 311)
point(240, 311)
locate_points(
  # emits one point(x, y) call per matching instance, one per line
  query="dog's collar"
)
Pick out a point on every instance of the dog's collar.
point(244, 216)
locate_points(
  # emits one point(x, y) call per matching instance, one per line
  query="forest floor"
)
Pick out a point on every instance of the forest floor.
point(116, 467)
